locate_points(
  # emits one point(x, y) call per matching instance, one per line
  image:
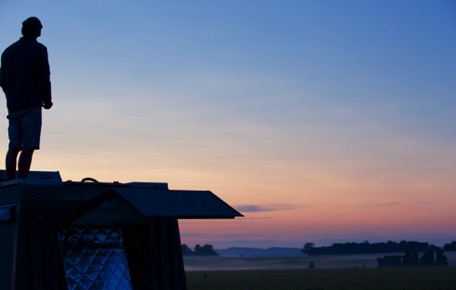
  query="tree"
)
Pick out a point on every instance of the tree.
point(206, 250)
point(186, 251)
point(308, 247)
point(450, 247)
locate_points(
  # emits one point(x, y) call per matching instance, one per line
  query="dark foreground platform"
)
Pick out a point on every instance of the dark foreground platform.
point(76, 235)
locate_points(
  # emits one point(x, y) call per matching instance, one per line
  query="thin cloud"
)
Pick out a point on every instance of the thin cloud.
point(265, 208)
point(385, 204)
point(393, 204)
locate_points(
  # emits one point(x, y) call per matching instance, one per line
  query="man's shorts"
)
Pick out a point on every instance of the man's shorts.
point(24, 129)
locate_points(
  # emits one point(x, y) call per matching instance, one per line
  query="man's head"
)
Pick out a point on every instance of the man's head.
point(31, 27)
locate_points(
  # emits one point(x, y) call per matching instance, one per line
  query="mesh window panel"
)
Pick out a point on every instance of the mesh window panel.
point(94, 258)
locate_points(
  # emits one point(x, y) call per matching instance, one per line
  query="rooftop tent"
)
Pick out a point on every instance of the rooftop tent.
point(161, 203)
point(101, 235)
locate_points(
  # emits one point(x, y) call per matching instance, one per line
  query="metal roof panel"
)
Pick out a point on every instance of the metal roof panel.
point(177, 203)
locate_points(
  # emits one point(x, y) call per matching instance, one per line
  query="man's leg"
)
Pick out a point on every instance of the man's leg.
point(10, 163)
point(25, 161)
point(31, 130)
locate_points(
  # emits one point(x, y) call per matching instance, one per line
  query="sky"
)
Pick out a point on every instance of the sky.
point(320, 121)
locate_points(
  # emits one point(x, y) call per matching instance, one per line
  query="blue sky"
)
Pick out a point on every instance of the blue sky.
point(284, 108)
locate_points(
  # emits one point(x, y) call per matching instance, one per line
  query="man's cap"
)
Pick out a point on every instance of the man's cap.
point(32, 23)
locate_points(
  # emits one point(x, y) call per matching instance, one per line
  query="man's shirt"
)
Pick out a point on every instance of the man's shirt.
point(25, 74)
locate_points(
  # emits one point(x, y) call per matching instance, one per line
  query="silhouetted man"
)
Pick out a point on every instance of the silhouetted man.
point(25, 79)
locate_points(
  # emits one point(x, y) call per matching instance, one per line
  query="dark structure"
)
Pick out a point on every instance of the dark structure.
point(90, 235)
point(411, 259)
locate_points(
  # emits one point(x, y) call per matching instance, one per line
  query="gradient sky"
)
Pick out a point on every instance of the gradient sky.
point(321, 121)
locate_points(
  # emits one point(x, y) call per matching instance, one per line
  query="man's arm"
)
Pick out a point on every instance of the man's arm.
point(44, 80)
point(2, 74)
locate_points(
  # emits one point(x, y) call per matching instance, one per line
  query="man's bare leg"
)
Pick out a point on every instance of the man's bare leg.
point(10, 163)
point(25, 161)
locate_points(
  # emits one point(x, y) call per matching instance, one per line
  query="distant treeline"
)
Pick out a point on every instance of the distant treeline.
point(450, 247)
point(374, 248)
point(206, 250)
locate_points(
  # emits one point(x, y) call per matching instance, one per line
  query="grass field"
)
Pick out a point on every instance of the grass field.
point(443, 278)
point(331, 273)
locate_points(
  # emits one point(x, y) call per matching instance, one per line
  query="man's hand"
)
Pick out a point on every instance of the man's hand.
point(48, 105)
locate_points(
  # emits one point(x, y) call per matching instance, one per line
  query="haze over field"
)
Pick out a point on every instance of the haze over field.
point(321, 121)
point(294, 262)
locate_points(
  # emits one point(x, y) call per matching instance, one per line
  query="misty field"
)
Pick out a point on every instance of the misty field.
point(331, 272)
point(338, 279)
